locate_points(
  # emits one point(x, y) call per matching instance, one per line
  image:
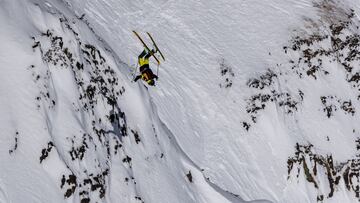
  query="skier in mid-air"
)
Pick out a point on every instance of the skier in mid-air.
point(145, 72)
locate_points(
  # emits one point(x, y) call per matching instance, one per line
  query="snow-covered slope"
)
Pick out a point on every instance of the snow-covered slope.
point(257, 100)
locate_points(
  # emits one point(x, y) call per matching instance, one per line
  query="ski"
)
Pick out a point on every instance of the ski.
point(157, 48)
point(146, 47)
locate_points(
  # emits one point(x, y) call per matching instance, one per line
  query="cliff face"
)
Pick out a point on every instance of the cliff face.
point(255, 101)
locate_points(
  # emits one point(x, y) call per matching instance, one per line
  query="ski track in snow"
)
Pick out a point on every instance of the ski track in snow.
point(177, 147)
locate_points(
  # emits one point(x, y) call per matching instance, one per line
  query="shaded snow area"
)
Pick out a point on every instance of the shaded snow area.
point(257, 101)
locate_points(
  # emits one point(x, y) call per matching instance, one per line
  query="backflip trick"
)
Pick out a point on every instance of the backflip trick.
point(146, 73)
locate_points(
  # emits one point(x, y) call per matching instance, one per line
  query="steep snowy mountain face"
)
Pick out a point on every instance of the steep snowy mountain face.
point(257, 101)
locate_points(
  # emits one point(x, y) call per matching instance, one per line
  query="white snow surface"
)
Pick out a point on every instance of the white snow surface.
point(183, 140)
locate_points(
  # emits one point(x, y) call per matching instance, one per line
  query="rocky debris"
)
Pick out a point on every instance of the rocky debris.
point(136, 136)
point(343, 49)
point(226, 73)
point(42, 81)
point(78, 152)
point(333, 103)
point(267, 92)
point(16, 140)
point(127, 159)
point(91, 183)
point(189, 177)
point(329, 106)
point(285, 100)
point(98, 91)
point(262, 81)
point(97, 182)
point(117, 146)
point(139, 199)
point(71, 184)
point(306, 160)
point(258, 102)
point(310, 60)
point(348, 107)
point(246, 126)
point(45, 151)
point(341, 46)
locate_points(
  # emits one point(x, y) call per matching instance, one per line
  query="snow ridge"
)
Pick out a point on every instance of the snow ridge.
point(247, 107)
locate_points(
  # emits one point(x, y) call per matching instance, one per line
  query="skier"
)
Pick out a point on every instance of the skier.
point(145, 72)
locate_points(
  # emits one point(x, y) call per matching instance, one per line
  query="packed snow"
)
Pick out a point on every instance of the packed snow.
point(257, 101)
